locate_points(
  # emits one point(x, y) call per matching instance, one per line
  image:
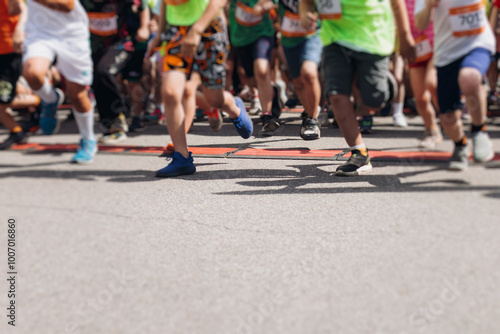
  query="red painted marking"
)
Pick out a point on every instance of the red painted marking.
point(57, 147)
point(409, 155)
point(211, 150)
point(152, 149)
point(250, 152)
point(287, 153)
point(22, 147)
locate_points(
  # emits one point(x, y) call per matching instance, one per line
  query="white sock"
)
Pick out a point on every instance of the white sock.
point(85, 123)
point(357, 147)
point(47, 92)
point(397, 108)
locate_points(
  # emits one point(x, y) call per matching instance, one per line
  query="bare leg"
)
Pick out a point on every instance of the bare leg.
point(173, 85)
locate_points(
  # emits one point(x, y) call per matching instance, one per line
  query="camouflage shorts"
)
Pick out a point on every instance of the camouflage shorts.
point(210, 57)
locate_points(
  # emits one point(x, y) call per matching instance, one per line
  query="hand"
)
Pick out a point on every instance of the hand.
point(407, 47)
point(17, 40)
point(263, 7)
point(309, 21)
point(188, 47)
point(142, 34)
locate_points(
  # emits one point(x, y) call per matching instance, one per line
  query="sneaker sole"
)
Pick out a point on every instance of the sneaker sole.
point(182, 171)
point(490, 157)
point(360, 171)
point(310, 137)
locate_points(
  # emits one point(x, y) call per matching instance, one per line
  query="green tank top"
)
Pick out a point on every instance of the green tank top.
point(361, 25)
point(184, 12)
point(246, 28)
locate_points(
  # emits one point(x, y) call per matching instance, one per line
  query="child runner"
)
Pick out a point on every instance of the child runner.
point(60, 29)
point(358, 37)
point(303, 51)
point(463, 49)
point(12, 18)
point(423, 80)
point(196, 40)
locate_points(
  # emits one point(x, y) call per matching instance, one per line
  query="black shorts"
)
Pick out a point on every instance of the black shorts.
point(10, 70)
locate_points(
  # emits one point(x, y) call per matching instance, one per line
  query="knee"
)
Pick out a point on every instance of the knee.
point(34, 76)
point(171, 95)
point(422, 101)
point(469, 80)
point(449, 119)
point(309, 78)
point(79, 99)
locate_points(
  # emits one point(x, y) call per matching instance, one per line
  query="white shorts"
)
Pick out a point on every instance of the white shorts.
point(74, 59)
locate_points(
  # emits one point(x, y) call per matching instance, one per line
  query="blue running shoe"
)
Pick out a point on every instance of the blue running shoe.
point(178, 166)
point(86, 152)
point(48, 120)
point(243, 123)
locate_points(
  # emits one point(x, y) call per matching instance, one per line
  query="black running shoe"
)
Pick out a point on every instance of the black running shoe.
point(310, 129)
point(14, 138)
point(357, 164)
point(137, 125)
point(292, 102)
point(269, 123)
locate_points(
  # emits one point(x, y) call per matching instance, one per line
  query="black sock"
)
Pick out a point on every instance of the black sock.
point(477, 128)
point(461, 142)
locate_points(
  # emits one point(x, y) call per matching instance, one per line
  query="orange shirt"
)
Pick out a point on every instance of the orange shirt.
point(7, 25)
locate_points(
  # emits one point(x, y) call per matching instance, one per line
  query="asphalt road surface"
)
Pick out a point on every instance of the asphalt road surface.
point(263, 238)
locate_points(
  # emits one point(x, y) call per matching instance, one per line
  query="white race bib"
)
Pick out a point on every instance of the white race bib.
point(245, 17)
point(103, 24)
point(423, 49)
point(329, 9)
point(468, 20)
point(291, 27)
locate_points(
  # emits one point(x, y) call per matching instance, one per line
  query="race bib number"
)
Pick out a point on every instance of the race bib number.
point(291, 27)
point(245, 17)
point(103, 24)
point(329, 9)
point(423, 49)
point(468, 20)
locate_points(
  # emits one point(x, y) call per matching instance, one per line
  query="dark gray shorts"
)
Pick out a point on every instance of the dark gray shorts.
point(342, 65)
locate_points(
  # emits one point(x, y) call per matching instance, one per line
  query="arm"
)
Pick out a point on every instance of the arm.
point(493, 17)
point(308, 17)
point(423, 18)
point(155, 43)
point(65, 6)
point(18, 35)
point(142, 34)
point(193, 37)
point(407, 44)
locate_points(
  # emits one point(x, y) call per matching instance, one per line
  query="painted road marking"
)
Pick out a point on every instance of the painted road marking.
point(236, 152)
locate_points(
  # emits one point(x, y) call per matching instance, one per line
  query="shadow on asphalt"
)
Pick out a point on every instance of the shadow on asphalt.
point(296, 179)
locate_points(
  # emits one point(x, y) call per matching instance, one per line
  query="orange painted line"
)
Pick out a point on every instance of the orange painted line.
point(409, 155)
point(211, 150)
point(158, 150)
point(287, 153)
point(57, 147)
point(22, 147)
